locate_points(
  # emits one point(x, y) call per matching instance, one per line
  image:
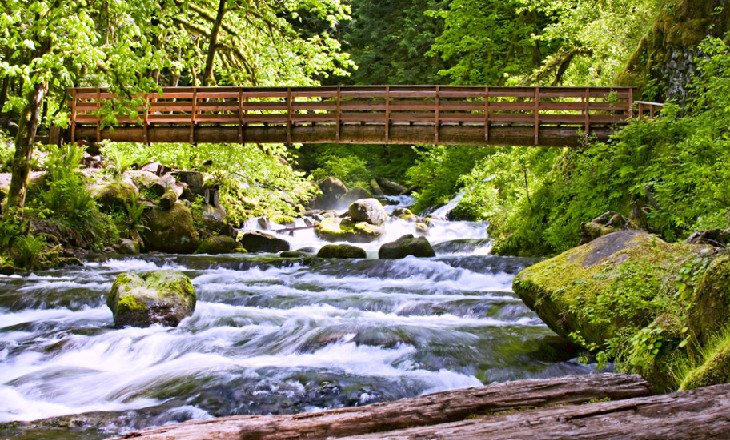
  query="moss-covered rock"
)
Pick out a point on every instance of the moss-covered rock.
point(218, 244)
point(342, 251)
point(170, 231)
point(714, 370)
point(114, 195)
point(367, 210)
point(405, 246)
point(161, 297)
point(622, 294)
point(261, 242)
point(338, 229)
point(709, 312)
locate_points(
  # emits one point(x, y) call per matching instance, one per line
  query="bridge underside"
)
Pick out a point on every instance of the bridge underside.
point(497, 135)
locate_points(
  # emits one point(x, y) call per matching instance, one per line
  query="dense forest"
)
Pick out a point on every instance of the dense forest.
point(133, 46)
point(667, 176)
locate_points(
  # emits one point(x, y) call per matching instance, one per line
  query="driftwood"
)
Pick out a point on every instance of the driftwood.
point(422, 411)
point(697, 415)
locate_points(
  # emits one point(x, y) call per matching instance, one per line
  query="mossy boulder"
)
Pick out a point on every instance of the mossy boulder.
point(709, 312)
point(405, 246)
point(114, 195)
point(338, 229)
point(160, 297)
point(404, 214)
point(261, 242)
point(170, 230)
point(342, 251)
point(218, 244)
point(367, 210)
point(714, 370)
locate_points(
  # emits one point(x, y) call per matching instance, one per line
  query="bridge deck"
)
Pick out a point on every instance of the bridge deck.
point(552, 116)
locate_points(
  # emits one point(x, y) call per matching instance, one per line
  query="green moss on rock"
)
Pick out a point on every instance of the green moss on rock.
point(219, 244)
point(342, 251)
point(714, 370)
point(161, 297)
point(709, 311)
point(170, 231)
point(337, 229)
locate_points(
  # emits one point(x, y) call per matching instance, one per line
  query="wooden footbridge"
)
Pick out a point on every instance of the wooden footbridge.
point(449, 115)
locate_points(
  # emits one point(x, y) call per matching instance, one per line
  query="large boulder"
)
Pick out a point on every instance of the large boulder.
point(339, 229)
point(114, 195)
point(625, 293)
point(355, 194)
point(405, 246)
point(332, 190)
point(261, 242)
point(391, 188)
point(218, 244)
point(161, 297)
point(369, 211)
point(170, 231)
point(341, 251)
point(709, 312)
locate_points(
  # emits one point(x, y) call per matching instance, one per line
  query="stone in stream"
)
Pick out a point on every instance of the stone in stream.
point(369, 211)
point(261, 242)
point(170, 231)
point(332, 190)
point(218, 244)
point(355, 194)
point(160, 297)
point(341, 251)
point(404, 246)
point(391, 188)
point(338, 229)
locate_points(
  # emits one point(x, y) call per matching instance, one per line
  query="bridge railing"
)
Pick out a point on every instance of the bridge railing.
point(581, 107)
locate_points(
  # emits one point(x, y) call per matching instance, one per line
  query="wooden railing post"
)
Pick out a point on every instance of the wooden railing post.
point(630, 99)
point(73, 116)
point(586, 113)
point(387, 114)
point(486, 114)
point(193, 111)
point(537, 115)
point(437, 116)
point(338, 114)
point(289, 109)
point(98, 115)
point(240, 116)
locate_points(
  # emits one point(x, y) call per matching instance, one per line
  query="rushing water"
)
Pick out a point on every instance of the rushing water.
point(268, 336)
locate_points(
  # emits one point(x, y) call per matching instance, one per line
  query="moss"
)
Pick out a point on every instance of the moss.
point(129, 302)
point(283, 219)
point(617, 295)
point(709, 312)
point(170, 231)
point(219, 244)
point(336, 229)
point(714, 370)
point(342, 251)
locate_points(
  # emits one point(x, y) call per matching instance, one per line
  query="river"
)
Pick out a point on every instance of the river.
point(268, 336)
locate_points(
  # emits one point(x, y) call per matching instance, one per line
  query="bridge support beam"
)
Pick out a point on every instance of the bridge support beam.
point(552, 136)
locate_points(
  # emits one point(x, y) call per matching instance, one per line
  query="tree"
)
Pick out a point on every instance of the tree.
point(139, 45)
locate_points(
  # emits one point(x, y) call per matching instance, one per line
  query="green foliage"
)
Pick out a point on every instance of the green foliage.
point(253, 180)
point(436, 176)
point(26, 251)
point(390, 40)
point(6, 153)
point(353, 171)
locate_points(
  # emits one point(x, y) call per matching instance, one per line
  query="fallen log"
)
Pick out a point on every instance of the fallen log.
point(425, 410)
point(697, 415)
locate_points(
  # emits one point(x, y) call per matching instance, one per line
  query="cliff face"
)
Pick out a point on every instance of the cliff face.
point(666, 59)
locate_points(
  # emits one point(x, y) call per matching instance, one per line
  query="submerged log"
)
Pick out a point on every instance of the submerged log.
point(443, 407)
point(700, 414)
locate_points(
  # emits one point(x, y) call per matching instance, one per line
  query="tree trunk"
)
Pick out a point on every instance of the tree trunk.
point(27, 128)
point(208, 78)
point(426, 410)
point(698, 415)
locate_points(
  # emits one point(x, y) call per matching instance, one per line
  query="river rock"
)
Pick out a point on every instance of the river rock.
point(160, 297)
point(355, 194)
point(214, 222)
point(341, 251)
point(604, 224)
point(170, 231)
point(369, 211)
point(709, 313)
point(376, 189)
point(339, 229)
point(332, 190)
point(391, 188)
point(628, 283)
point(405, 246)
point(261, 242)
point(168, 200)
point(114, 195)
point(218, 244)
point(144, 179)
point(193, 179)
point(127, 246)
point(404, 214)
